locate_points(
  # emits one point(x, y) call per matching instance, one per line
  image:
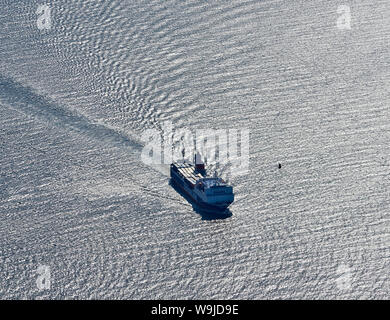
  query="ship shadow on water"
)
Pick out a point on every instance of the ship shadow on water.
point(204, 213)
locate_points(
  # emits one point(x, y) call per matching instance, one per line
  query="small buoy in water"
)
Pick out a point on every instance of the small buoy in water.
point(280, 166)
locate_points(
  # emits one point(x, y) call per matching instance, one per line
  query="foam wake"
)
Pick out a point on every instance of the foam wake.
point(23, 99)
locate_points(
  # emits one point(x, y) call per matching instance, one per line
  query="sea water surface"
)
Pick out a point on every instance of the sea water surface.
point(77, 201)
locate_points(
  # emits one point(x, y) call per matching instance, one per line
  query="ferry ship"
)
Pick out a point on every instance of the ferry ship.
point(211, 193)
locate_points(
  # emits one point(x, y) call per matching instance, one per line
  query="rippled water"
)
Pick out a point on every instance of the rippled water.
point(76, 197)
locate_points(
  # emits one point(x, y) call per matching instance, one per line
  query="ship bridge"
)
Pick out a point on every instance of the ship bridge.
point(212, 182)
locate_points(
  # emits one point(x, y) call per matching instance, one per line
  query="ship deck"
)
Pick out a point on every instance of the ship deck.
point(187, 171)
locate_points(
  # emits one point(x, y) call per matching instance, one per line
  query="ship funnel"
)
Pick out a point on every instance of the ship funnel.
point(199, 165)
